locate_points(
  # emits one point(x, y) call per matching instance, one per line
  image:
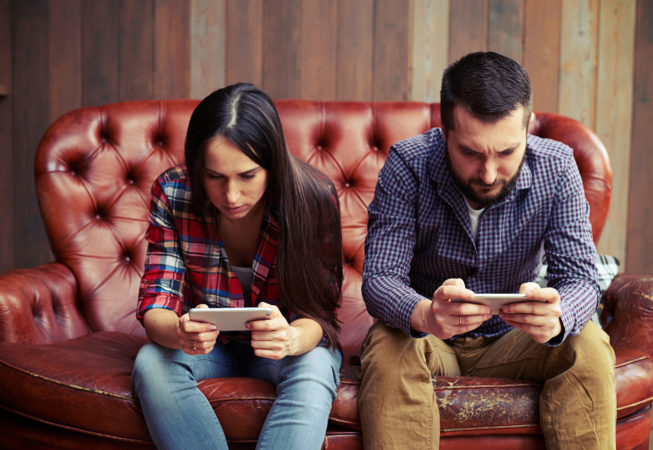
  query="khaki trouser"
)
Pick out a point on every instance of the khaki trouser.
point(397, 402)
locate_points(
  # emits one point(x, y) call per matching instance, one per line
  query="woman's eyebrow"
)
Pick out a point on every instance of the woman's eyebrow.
point(247, 172)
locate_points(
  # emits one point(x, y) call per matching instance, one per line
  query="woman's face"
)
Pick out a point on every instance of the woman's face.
point(234, 183)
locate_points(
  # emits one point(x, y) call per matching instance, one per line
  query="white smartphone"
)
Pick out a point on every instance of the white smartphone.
point(229, 319)
point(495, 301)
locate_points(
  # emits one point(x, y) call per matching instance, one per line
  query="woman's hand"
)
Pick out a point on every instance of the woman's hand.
point(196, 338)
point(275, 338)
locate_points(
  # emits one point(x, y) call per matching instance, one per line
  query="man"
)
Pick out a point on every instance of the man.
point(471, 208)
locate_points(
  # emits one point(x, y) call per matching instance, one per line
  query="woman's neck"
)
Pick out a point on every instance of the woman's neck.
point(240, 237)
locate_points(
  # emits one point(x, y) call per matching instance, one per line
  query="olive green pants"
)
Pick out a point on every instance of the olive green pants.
point(397, 403)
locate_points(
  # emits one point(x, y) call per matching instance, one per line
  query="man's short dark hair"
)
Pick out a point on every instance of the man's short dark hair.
point(489, 85)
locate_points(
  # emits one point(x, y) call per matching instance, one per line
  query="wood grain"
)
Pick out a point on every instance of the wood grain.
point(171, 49)
point(7, 203)
point(136, 60)
point(429, 49)
point(542, 51)
point(100, 52)
point(390, 54)
point(640, 232)
point(30, 109)
point(281, 31)
point(207, 46)
point(467, 28)
point(614, 104)
point(244, 41)
point(318, 47)
point(355, 50)
point(579, 27)
point(506, 28)
point(65, 56)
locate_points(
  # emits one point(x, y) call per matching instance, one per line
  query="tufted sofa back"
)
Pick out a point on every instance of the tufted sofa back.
point(95, 167)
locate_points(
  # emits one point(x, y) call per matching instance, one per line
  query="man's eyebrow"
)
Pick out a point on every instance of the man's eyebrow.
point(467, 149)
point(511, 148)
point(471, 150)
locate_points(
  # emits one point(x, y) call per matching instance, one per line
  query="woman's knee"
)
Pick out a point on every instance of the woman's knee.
point(152, 364)
point(320, 366)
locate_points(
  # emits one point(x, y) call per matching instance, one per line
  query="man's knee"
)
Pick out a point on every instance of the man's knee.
point(592, 347)
point(385, 345)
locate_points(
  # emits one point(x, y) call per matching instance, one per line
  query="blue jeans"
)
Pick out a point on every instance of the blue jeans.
point(179, 416)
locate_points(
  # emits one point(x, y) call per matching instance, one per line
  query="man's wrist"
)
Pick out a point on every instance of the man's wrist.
point(419, 318)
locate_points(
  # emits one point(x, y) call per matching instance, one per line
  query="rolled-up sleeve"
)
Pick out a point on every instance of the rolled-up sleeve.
point(389, 246)
point(571, 254)
point(162, 283)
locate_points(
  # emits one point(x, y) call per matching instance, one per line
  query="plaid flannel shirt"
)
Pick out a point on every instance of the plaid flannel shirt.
point(419, 234)
point(186, 265)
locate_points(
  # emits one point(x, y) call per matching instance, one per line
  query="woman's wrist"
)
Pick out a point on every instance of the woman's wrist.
point(305, 335)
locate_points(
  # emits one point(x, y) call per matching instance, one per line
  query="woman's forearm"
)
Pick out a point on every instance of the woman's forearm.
point(161, 327)
point(309, 334)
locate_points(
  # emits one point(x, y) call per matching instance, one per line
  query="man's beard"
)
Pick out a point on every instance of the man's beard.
point(483, 201)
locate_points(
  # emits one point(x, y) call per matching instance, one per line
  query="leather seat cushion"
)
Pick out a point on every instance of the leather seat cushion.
point(85, 384)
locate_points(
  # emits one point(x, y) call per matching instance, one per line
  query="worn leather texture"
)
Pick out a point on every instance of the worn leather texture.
point(68, 330)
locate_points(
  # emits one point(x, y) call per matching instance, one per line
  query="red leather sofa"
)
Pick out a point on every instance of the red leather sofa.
point(69, 335)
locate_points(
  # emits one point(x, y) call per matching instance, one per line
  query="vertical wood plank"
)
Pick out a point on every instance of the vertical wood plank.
point(505, 28)
point(354, 54)
point(30, 109)
point(244, 41)
point(578, 60)
point(6, 150)
point(100, 51)
point(429, 49)
point(391, 50)
point(207, 46)
point(136, 49)
point(281, 30)
point(640, 232)
point(171, 49)
point(317, 60)
point(542, 51)
point(614, 104)
point(467, 28)
point(65, 56)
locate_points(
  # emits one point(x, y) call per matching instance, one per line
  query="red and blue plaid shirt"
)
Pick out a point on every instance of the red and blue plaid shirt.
point(186, 262)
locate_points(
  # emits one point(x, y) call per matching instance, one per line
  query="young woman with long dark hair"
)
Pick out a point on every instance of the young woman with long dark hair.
point(241, 223)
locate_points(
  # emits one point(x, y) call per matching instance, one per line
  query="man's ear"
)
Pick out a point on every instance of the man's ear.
point(531, 120)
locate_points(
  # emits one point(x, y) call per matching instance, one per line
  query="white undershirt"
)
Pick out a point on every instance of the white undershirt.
point(244, 275)
point(474, 214)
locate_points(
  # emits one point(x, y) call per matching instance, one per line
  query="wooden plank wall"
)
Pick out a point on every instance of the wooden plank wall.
point(589, 59)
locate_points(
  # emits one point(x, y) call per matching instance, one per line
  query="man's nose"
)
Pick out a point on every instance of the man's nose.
point(488, 172)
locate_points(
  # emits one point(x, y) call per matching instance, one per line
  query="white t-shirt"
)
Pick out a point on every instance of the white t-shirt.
point(474, 214)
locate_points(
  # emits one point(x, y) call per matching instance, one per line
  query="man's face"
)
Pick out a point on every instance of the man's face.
point(485, 158)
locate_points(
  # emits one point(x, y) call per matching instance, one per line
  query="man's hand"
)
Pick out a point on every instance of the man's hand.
point(541, 318)
point(443, 318)
point(196, 338)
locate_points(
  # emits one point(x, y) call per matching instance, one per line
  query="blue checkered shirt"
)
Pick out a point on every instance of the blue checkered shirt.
point(419, 235)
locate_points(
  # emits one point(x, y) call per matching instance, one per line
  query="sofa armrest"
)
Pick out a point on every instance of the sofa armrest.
point(40, 305)
point(628, 313)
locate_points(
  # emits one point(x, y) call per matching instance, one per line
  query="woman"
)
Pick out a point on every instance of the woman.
point(242, 223)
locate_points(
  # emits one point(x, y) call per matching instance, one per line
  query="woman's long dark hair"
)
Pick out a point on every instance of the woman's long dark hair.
point(309, 258)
